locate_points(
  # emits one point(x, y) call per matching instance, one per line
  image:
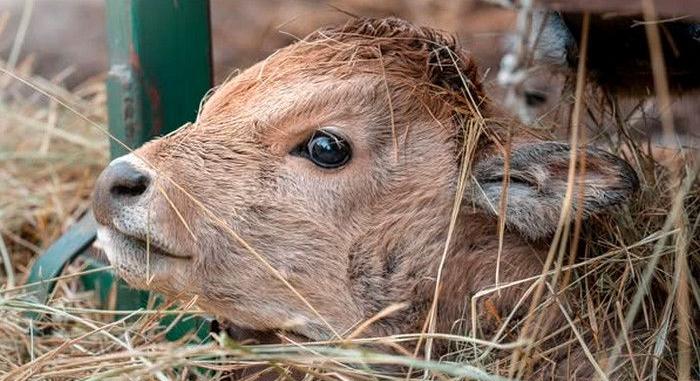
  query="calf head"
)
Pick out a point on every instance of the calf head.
point(332, 168)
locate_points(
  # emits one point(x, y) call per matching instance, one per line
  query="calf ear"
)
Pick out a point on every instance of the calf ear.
point(538, 176)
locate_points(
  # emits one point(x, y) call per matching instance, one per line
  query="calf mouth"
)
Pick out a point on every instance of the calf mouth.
point(118, 243)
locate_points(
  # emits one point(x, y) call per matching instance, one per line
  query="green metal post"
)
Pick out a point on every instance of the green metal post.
point(160, 68)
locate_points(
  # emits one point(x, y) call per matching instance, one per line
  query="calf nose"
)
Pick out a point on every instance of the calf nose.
point(121, 184)
point(125, 181)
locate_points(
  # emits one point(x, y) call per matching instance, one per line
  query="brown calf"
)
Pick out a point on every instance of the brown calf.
point(336, 162)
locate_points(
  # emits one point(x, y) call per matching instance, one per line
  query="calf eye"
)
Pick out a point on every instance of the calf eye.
point(534, 98)
point(325, 149)
point(694, 30)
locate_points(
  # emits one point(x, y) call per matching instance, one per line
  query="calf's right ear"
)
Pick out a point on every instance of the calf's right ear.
point(538, 177)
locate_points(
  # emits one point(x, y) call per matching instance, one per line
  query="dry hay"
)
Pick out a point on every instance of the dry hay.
point(49, 158)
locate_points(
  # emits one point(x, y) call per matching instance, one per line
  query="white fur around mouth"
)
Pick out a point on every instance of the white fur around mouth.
point(111, 241)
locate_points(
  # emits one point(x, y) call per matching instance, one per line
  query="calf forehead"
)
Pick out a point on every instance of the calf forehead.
point(273, 104)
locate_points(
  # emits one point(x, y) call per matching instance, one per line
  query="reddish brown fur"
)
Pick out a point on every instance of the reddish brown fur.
point(354, 240)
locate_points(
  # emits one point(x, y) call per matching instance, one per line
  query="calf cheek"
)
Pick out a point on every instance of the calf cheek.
point(235, 284)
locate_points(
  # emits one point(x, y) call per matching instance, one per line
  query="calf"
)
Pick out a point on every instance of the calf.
point(326, 183)
point(618, 59)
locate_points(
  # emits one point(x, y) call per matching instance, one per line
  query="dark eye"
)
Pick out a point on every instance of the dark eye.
point(694, 30)
point(325, 149)
point(534, 98)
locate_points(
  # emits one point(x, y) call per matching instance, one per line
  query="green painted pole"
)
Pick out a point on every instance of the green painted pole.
point(160, 67)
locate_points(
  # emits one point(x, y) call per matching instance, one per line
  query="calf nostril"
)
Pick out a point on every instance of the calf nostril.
point(134, 188)
point(127, 181)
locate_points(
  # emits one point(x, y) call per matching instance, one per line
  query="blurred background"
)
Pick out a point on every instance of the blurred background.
point(65, 39)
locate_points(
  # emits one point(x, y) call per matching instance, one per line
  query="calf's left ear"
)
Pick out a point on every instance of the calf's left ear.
point(538, 177)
